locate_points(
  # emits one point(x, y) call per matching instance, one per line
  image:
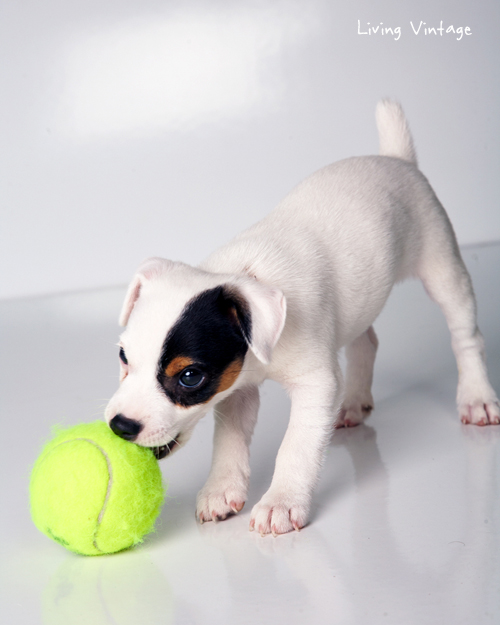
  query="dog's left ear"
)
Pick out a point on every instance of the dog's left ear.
point(262, 313)
point(147, 270)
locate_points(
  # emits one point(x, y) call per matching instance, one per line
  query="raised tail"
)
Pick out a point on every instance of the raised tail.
point(394, 132)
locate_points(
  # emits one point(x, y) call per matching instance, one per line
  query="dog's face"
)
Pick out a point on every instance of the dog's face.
point(189, 334)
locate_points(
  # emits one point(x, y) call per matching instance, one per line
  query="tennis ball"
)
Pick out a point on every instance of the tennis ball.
point(94, 492)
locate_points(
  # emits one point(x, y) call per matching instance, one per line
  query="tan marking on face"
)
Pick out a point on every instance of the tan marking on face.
point(234, 315)
point(177, 365)
point(230, 375)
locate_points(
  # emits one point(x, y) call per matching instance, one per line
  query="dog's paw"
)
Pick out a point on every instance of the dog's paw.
point(278, 514)
point(218, 500)
point(353, 413)
point(479, 413)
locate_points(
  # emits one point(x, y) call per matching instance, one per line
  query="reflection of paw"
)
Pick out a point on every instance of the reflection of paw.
point(278, 513)
point(480, 413)
point(218, 500)
point(355, 412)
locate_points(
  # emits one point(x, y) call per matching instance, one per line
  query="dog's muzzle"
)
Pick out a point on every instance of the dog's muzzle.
point(129, 429)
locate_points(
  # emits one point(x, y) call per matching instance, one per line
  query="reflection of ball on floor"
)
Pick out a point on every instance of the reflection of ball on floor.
point(128, 589)
point(94, 492)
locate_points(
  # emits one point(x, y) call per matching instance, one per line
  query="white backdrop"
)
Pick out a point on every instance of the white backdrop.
point(142, 127)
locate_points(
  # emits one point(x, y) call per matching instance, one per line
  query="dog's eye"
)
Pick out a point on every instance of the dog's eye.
point(123, 358)
point(191, 378)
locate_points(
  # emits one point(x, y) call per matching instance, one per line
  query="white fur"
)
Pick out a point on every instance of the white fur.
point(332, 249)
point(394, 132)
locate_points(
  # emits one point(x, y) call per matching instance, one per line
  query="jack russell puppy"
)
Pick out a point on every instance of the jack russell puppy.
point(278, 302)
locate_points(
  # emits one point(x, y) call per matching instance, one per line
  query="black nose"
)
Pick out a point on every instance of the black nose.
point(125, 428)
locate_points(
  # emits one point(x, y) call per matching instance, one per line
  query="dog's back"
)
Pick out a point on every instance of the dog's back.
point(341, 239)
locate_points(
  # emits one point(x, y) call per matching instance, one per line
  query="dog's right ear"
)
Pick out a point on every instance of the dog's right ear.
point(263, 324)
point(147, 270)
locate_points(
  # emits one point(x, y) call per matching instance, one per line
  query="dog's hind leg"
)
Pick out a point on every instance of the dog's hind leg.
point(448, 283)
point(358, 400)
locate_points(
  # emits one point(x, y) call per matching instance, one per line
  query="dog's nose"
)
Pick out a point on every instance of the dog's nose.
point(125, 428)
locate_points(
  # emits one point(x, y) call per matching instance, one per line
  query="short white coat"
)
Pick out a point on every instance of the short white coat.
point(315, 273)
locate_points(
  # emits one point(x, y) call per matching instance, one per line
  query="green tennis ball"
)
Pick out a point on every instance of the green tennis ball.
point(94, 492)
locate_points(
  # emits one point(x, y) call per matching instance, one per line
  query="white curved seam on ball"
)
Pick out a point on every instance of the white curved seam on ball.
point(110, 480)
point(108, 490)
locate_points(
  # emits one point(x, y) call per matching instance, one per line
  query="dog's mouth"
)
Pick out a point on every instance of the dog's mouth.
point(164, 450)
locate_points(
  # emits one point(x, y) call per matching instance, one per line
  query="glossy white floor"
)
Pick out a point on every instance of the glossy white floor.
point(405, 524)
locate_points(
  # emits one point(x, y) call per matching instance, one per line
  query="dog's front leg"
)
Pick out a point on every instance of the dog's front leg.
point(285, 506)
point(225, 491)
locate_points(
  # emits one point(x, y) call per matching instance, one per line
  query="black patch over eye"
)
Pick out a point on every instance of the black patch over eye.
point(191, 378)
point(213, 331)
point(123, 358)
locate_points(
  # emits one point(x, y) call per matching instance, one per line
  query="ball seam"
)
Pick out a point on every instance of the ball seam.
point(108, 490)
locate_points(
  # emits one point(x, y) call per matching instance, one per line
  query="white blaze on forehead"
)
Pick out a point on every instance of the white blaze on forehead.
point(155, 312)
point(161, 302)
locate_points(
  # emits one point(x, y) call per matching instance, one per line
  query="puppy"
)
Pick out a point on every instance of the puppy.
point(278, 302)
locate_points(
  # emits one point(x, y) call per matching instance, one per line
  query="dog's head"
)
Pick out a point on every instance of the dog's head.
point(189, 337)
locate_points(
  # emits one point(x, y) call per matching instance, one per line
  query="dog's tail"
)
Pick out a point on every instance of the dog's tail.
point(394, 132)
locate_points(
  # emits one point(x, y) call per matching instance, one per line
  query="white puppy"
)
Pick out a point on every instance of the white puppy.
point(278, 302)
